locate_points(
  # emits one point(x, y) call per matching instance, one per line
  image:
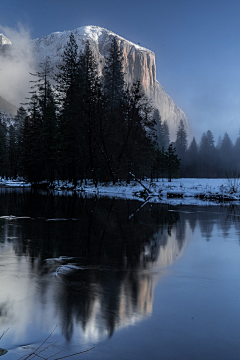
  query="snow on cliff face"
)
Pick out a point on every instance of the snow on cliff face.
point(139, 64)
point(4, 40)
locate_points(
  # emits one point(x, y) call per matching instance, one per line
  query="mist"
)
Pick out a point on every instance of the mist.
point(16, 64)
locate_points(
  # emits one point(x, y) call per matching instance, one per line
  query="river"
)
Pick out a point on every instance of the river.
point(126, 279)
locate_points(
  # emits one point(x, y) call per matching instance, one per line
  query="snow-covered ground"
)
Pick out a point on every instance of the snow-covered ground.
point(14, 183)
point(179, 191)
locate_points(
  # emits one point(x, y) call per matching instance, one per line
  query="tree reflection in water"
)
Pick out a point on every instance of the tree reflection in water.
point(114, 246)
point(114, 243)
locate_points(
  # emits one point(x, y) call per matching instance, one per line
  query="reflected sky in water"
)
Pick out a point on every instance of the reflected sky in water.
point(134, 281)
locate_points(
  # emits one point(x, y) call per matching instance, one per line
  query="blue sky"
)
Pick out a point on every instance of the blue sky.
point(196, 42)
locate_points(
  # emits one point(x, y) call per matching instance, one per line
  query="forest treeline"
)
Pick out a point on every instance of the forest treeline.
point(208, 158)
point(78, 125)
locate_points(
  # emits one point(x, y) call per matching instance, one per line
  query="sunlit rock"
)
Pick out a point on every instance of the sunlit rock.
point(139, 64)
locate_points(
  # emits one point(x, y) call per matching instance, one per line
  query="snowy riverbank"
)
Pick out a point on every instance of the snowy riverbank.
point(179, 191)
point(14, 183)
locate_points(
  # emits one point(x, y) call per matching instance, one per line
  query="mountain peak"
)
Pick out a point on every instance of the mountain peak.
point(4, 40)
point(90, 32)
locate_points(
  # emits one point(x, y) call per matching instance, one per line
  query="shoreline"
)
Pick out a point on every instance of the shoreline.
point(185, 191)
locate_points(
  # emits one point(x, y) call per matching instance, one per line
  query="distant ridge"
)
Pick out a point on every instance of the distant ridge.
point(7, 107)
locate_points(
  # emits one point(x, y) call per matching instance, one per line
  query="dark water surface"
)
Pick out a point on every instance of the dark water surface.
point(134, 280)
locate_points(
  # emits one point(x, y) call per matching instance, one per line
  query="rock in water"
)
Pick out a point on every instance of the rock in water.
point(3, 351)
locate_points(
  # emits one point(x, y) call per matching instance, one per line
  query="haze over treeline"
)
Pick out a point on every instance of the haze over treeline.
point(16, 65)
point(208, 158)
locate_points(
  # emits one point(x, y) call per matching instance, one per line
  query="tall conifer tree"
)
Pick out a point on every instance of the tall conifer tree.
point(113, 75)
point(192, 162)
point(68, 130)
point(181, 140)
point(90, 95)
point(161, 141)
point(166, 135)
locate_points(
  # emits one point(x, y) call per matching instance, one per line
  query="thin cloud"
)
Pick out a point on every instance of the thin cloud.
point(16, 65)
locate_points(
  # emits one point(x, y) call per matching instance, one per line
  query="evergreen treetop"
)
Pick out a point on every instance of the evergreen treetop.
point(181, 140)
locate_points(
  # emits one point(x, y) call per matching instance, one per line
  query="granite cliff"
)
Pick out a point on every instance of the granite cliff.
point(139, 64)
point(7, 107)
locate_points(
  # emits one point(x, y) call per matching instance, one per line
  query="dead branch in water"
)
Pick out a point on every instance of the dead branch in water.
point(38, 352)
point(145, 188)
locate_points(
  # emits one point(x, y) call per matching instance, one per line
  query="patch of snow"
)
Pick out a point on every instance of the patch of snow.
point(14, 183)
point(66, 269)
point(59, 259)
point(12, 217)
point(57, 219)
point(4, 40)
point(179, 191)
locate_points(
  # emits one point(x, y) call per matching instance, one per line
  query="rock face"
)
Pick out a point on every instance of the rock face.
point(4, 43)
point(139, 64)
point(7, 108)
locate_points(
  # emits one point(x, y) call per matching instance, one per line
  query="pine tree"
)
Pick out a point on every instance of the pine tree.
point(91, 94)
point(32, 161)
point(173, 163)
point(19, 119)
point(110, 126)
point(193, 149)
point(41, 117)
point(226, 145)
point(226, 154)
point(181, 140)
point(166, 135)
point(16, 135)
point(192, 159)
point(3, 147)
point(159, 129)
point(181, 147)
point(208, 163)
point(41, 86)
point(114, 83)
point(49, 139)
point(207, 144)
point(159, 168)
point(68, 103)
point(24, 146)
point(140, 132)
point(67, 78)
point(12, 152)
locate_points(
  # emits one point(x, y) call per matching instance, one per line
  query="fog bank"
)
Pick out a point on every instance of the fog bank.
point(16, 63)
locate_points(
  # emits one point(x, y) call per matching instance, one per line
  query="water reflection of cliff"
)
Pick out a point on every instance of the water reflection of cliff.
point(116, 246)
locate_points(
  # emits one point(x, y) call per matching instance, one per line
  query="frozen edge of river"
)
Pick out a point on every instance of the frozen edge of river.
point(179, 191)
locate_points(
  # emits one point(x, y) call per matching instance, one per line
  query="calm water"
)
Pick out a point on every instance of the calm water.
point(136, 281)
